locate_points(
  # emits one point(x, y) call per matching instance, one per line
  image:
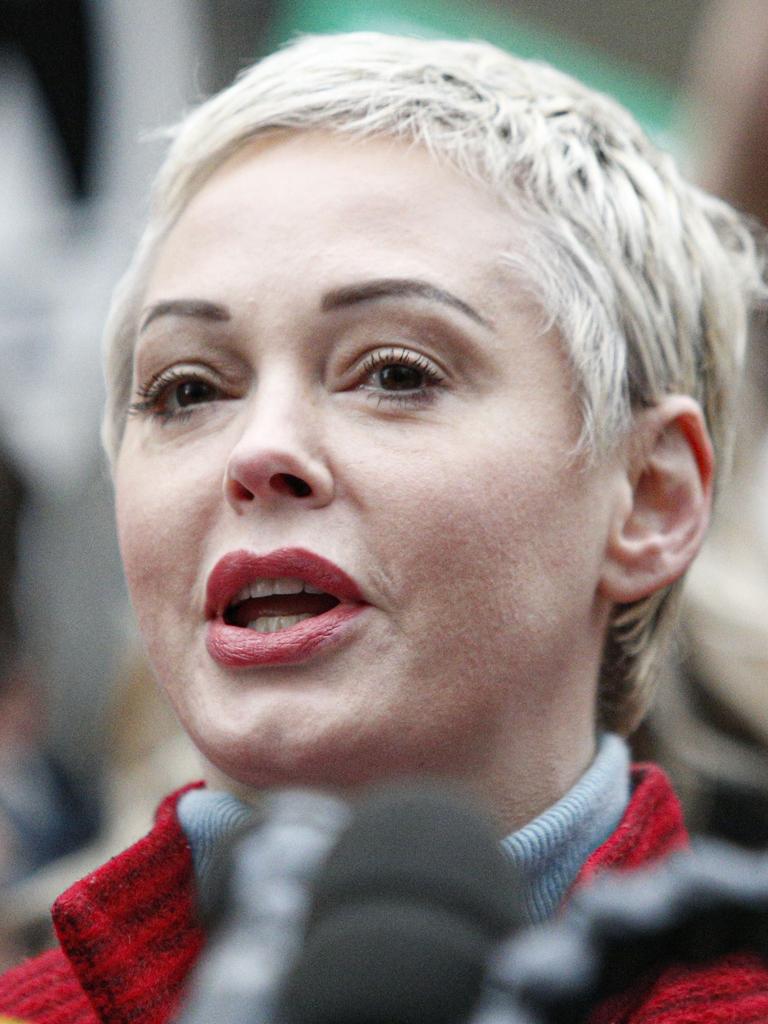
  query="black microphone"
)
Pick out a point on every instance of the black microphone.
point(404, 915)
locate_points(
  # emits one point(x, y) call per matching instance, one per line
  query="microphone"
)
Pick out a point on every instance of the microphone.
point(405, 913)
point(255, 902)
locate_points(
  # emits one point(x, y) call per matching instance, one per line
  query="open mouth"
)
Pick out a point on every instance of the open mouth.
point(272, 605)
point(280, 608)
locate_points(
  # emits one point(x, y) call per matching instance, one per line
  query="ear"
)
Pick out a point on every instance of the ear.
point(660, 523)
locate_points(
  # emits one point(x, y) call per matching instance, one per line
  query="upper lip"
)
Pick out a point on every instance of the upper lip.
point(237, 569)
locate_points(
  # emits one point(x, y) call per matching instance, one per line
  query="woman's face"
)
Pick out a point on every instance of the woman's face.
point(338, 383)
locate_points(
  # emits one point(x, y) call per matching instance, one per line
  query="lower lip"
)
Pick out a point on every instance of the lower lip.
point(237, 647)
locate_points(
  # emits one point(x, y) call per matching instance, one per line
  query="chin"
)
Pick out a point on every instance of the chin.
point(277, 757)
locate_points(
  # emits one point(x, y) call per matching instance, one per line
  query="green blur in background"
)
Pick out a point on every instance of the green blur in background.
point(651, 101)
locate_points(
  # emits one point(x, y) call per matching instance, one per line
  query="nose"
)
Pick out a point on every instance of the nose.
point(277, 459)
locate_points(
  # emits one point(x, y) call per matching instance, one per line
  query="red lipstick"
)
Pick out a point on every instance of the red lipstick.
point(238, 647)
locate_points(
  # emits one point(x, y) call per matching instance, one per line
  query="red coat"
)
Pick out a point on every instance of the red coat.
point(128, 935)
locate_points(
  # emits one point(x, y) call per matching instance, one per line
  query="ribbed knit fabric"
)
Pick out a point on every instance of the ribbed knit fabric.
point(208, 818)
point(549, 852)
point(732, 991)
point(46, 991)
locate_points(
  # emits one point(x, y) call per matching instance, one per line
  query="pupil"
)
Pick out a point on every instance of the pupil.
point(400, 377)
point(191, 391)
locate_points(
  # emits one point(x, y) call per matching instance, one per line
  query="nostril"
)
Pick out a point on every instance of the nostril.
point(239, 492)
point(287, 483)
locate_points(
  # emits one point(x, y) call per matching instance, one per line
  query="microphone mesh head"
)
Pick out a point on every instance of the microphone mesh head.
point(405, 911)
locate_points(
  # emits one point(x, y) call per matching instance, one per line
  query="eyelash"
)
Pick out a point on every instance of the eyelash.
point(402, 357)
point(152, 395)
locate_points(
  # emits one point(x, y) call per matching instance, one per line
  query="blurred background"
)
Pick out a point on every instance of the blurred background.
point(86, 746)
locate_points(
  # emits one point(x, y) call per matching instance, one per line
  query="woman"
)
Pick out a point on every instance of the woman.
point(417, 383)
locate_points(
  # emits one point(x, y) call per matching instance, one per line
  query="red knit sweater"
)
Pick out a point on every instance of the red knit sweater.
point(128, 937)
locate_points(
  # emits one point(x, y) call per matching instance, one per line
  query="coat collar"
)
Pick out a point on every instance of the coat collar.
point(129, 929)
point(652, 827)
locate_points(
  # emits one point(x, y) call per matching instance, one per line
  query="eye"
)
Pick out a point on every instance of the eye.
point(400, 375)
point(175, 393)
point(191, 392)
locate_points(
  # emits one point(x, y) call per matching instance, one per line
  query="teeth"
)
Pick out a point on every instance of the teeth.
point(266, 588)
point(274, 623)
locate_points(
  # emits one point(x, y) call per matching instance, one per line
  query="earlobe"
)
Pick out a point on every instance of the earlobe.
point(661, 521)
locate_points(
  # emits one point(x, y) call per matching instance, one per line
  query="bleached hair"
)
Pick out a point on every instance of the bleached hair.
point(649, 281)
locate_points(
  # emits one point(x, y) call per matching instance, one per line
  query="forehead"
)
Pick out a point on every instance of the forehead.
point(323, 206)
point(288, 222)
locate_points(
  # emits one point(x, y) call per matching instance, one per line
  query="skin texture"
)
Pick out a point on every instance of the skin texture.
point(479, 542)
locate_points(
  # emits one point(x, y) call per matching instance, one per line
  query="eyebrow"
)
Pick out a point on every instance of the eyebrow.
point(399, 287)
point(349, 295)
point(196, 308)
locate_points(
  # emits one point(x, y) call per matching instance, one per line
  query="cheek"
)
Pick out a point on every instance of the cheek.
point(160, 519)
point(159, 525)
point(492, 542)
point(144, 526)
point(479, 507)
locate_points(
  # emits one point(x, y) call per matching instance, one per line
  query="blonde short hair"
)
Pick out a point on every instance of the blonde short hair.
point(649, 281)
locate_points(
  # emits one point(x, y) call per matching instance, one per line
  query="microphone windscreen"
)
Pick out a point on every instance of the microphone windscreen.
point(425, 843)
point(404, 913)
point(389, 963)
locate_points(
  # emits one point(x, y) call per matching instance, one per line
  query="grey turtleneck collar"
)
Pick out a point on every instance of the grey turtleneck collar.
point(547, 853)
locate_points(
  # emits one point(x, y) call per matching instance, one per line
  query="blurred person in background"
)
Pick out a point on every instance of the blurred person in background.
point(46, 117)
point(79, 83)
point(416, 399)
point(711, 723)
point(11, 499)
